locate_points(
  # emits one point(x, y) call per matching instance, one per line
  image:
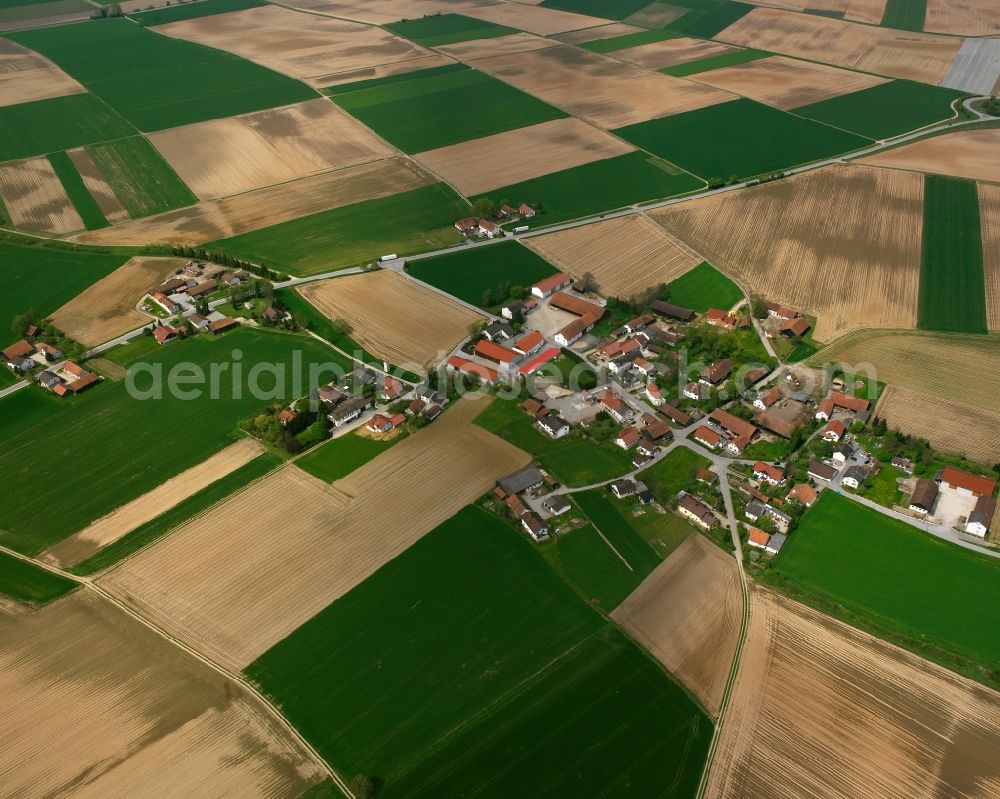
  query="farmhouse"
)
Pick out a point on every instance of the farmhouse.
point(330, 394)
point(755, 510)
point(644, 367)
point(526, 211)
point(833, 431)
point(780, 311)
point(468, 226)
point(708, 437)
point(51, 353)
point(616, 406)
point(287, 415)
point(768, 473)
point(527, 479)
point(633, 325)
point(838, 399)
point(803, 493)
point(693, 391)
point(391, 389)
point(624, 488)
point(795, 327)
point(757, 538)
point(543, 288)
point(622, 363)
point(854, 476)
point(575, 330)
point(697, 511)
point(498, 331)
point(652, 393)
point(489, 229)
point(717, 318)
point(494, 352)
point(484, 374)
point(627, 438)
point(821, 471)
point(536, 528)
point(575, 306)
point(717, 372)
point(529, 344)
point(904, 465)
point(924, 495)
point(554, 426)
point(379, 423)
point(517, 507)
point(766, 400)
point(165, 302)
point(18, 353)
point(740, 432)
point(513, 310)
point(165, 333)
point(203, 289)
point(347, 411)
point(675, 415)
point(47, 379)
point(198, 322)
point(981, 516)
point(964, 482)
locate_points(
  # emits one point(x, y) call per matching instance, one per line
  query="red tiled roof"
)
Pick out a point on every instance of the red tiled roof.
point(771, 397)
point(709, 437)
point(468, 367)
point(552, 282)
point(494, 352)
point(574, 305)
point(75, 368)
point(798, 326)
point(771, 471)
point(528, 342)
point(19, 349)
point(732, 424)
point(843, 400)
point(804, 493)
point(834, 426)
point(758, 536)
point(534, 363)
point(968, 481)
point(628, 436)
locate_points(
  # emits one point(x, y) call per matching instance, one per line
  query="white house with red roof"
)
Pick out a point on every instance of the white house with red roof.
point(834, 431)
point(549, 285)
point(653, 394)
point(768, 473)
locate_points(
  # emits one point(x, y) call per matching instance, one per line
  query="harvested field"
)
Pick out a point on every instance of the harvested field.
point(963, 154)
point(870, 11)
point(498, 45)
point(672, 51)
point(964, 17)
point(98, 186)
point(26, 76)
point(533, 19)
point(97, 705)
point(233, 155)
point(393, 317)
point(381, 71)
point(177, 489)
point(249, 572)
point(611, 31)
point(521, 154)
point(35, 198)
point(989, 219)
point(386, 11)
point(842, 715)
point(785, 82)
point(625, 255)
point(943, 422)
point(220, 219)
point(922, 57)
point(687, 614)
point(840, 243)
point(298, 44)
point(107, 308)
point(597, 88)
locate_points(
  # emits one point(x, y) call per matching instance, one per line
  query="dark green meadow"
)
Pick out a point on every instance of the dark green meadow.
point(157, 82)
point(447, 29)
point(708, 17)
point(609, 9)
point(952, 287)
point(445, 108)
point(340, 456)
point(905, 14)
point(714, 62)
point(30, 584)
point(704, 287)
point(139, 176)
point(884, 576)
point(741, 138)
point(104, 448)
point(468, 274)
point(467, 666)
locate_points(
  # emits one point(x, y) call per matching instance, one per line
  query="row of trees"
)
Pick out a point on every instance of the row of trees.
point(225, 259)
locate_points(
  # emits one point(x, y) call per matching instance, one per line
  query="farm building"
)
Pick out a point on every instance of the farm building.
point(768, 473)
point(553, 426)
point(982, 516)
point(627, 438)
point(576, 306)
point(526, 479)
point(484, 374)
point(855, 476)
point(529, 344)
point(165, 333)
point(959, 480)
point(821, 471)
point(672, 311)
point(556, 504)
point(536, 528)
point(697, 511)
point(494, 352)
point(717, 372)
point(767, 399)
point(795, 327)
point(708, 437)
point(620, 410)
point(574, 330)
point(652, 393)
point(543, 288)
point(675, 415)
point(924, 495)
point(833, 431)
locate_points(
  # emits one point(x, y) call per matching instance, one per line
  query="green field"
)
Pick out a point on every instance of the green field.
point(466, 666)
point(340, 456)
point(86, 206)
point(583, 559)
point(908, 587)
point(25, 582)
point(468, 274)
point(673, 473)
point(714, 62)
point(709, 18)
point(205, 8)
point(599, 186)
point(431, 112)
point(905, 14)
point(739, 139)
point(609, 9)
point(952, 287)
point(447, 29)
point(372, 83)
point(636, 39)
point(704, 287)
point(120, 441)
point(354, 234)
point(46, 126)
point(155, 81)
point(139, 176)
point(16, 10)
point(194, 505)
point(886, 110)
point(45, 278)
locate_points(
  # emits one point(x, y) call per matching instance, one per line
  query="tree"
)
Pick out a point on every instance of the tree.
point(758, 308)
point(474, 328)
point(587, 282)
point(483, 207)
point(342, 326)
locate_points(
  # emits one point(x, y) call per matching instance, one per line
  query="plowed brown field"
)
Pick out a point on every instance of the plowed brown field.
point(822, 710)
point(26, 76)
point(989, 216)
point(106, 309)
point(923, 57)
point(385, 11)
point(625, 255)
point(672, 51)
point(521, 154)
point(964, 154)
point(219, 219)
point(35, 198)
point(98, 186)
point(233, 155)
point(594, 34)
point(393, 317)
point(97, 705)
point(533, 19)
point(150, 505)
point(870, 11)
point(656, 15)
point(687, 614)
point(965, 17)
point(246, 574)
point(498, 45)
point(842, 243)
point(299, 44)
point(597, 88)
point(787, 82)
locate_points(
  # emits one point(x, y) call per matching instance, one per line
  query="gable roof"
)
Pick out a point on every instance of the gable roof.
point(574, 305)
point(495, 352)
point(732, 424)
point(968, 481)
point(552, 282)
point(19, 349)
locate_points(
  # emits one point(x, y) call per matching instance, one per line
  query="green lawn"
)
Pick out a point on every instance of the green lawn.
point(469, 274)
point(45, 278)
point(883, 575)
point(609, 9)
point(158, 82)
point(884, 490)
point(636, 39)
point(340, 456)
point(704, 287)
point(447, 29)
point(714, 62)
point(952, 287)
point(905, 14)
point(204, 8)
point(886, 110)
point(46, 126)
point(372, 83)
point(466, 664)
point(599, 186)
point(195, 505)
point(709, 18)
point(354, 234)
point(120, 441)
point(86, 206)
point(25, 582)
point(673, 473)
point(431, 112)
point(139, 176)
point(739, 139)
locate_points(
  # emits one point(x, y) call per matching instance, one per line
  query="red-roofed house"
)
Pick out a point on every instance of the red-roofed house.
point(456, 363)
point(627, 438)
point(494, 352)
point(526, 345)
point(467, 226)
point(966, 482)
point(165, 333)
point(803, 493)
point(165, 302)
point(834, 431)
point(765, 401)
point(526, 210)
point(490, 229)
point(574, 305)
point(575, 330)
point(543, 288)
point(644, 367)
point(825, 409)
point(654, 395)
point(768, 473)
point(616, 406)
point(708, 437)
point(379, 423)
point(758, 538)
point(391, 388)
point(798, 326)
